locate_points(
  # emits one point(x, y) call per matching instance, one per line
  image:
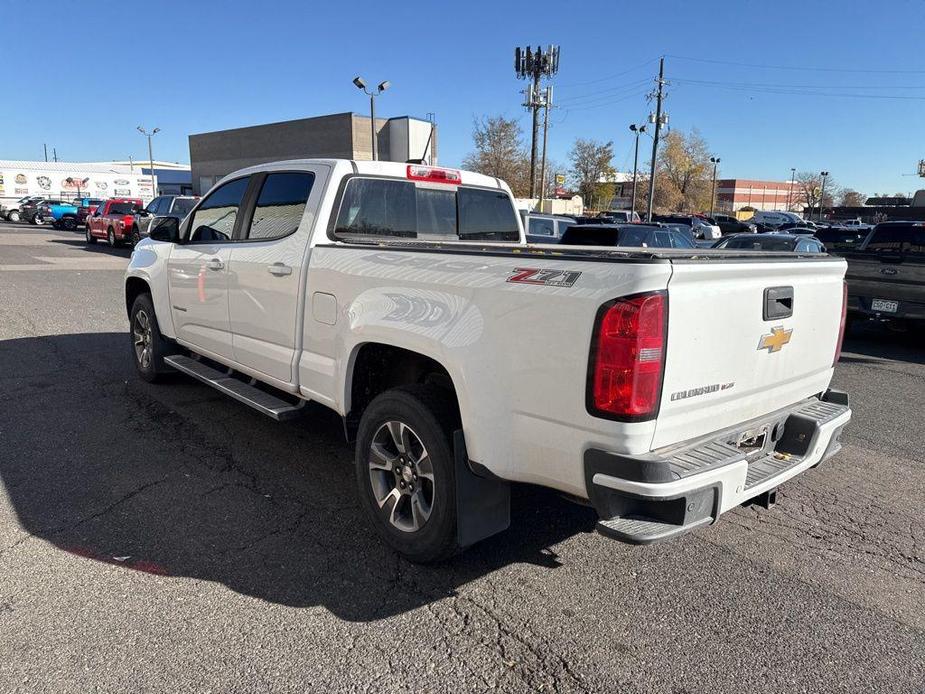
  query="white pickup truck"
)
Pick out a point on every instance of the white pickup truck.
point(665, 386)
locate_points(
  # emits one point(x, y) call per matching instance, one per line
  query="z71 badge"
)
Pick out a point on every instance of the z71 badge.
point(548, 278)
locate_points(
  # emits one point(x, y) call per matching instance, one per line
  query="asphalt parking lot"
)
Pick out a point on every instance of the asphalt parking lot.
point(166, 538)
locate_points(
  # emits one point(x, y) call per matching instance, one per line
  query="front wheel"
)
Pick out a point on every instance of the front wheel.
point(149, 347)
point(111, 238)
point(91, 239)
point(38, 220)
point(13, 216)
point(405, 470)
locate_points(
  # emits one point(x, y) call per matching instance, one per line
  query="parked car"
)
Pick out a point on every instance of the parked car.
point(420, 321)
point(802, 224)
point(772, 219)
point(886, 274)
point(113, 221)
point(856, 224)
point(86, 207)
point(701, 228)
point(13, 213)
point(28, 209)
point(544, 228)
point(771, 242)
point(62, 215)
point(635, 235)
point(620, 217)
point(837, 238)
point(163, 206)
point(730, 225)
point(795, 231)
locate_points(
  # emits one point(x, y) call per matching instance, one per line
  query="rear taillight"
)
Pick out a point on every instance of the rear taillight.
point(841, 325)
point(628, 357)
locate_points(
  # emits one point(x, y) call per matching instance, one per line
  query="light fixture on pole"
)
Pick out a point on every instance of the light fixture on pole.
point(360, 84)
point(149, 135)
point(637, 129)
point(714, 161)
point(824, 175)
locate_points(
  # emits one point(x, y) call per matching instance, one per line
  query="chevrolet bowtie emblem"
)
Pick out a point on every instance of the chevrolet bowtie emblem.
point(776, 340)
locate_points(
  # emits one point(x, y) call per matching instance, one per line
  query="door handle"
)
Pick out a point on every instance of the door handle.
point(279, 269)
point(215, 264)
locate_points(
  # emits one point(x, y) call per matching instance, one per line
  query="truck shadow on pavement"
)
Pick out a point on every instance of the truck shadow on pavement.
point(871, 343)
point(178, 481)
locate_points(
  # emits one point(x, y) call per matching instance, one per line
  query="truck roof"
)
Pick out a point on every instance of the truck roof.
point(374, 168)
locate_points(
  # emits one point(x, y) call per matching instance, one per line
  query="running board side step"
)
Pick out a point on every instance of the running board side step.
point(264, 402)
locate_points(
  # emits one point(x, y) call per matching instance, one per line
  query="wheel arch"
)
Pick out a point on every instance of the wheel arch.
point(134, 287)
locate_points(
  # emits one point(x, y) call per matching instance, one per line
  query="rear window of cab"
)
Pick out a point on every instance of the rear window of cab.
point(392, 208)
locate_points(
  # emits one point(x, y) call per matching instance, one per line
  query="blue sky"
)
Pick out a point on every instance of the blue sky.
point(84, 74)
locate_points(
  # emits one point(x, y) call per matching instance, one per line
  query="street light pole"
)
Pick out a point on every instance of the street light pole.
point(360, 84)
point(824, 174)
point(715, 161)
point(637, 129)
point(149, 135)
point(793, 178)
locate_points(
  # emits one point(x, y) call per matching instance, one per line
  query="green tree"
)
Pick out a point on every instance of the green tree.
point(591, 161)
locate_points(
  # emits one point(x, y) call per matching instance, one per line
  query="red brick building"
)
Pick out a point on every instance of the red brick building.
point(733, 194)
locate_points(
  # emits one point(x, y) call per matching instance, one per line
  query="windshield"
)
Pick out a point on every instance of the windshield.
point(124, 208)
point(182, 206)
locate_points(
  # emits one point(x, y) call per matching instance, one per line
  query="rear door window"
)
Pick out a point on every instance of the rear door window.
point(280, 205)
point(377, 207)
point(537, 226)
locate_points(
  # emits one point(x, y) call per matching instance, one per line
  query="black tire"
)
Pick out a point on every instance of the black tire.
point(68, 223)
point(91, 239)
point(111, 238)
point(431, 414)
point(13, 216)
point(142, 315)
point(135, 237)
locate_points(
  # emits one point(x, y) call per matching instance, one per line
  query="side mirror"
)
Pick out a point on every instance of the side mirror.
point(165, 229)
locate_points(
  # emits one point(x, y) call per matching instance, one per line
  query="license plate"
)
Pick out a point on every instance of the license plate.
point(884, 305)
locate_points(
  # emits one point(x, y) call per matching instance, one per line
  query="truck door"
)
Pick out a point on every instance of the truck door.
point(197, 271)
point(268, 261)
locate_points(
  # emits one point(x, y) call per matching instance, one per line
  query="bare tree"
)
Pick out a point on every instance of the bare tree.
point(591, 161)
point(809, 190)
point(500, 152)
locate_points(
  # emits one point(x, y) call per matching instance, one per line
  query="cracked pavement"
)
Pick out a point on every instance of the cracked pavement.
point(167, 538)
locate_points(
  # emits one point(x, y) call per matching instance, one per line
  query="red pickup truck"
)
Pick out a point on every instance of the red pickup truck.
point(114, 221)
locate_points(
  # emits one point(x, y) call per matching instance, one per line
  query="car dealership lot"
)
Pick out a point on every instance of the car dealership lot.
point(170, 538)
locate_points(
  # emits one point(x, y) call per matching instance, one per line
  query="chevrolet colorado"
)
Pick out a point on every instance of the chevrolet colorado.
point(664, 386)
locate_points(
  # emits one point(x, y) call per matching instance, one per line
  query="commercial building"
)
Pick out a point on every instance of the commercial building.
point(172, 178)
point(732, 194)
point(340, 136)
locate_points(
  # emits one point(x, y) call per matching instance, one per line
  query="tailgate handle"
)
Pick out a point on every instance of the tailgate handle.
point(778, 303)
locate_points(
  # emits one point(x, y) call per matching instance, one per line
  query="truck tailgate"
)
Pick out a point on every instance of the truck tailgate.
point(727, 362)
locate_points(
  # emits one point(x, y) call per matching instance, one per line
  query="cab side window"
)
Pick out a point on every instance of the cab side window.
point(214, 220)
point(280, 205)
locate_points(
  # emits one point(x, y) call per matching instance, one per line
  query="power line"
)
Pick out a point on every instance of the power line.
point(800, 68)
point(799, 86)
point(607, 102)
point(796, 92)
point(609, 77)
point(614, 90)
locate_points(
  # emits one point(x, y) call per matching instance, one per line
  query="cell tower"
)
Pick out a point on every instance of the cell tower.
point(534, 65)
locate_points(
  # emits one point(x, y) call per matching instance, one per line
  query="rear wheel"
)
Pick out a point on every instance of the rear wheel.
point(68, 223)
point(37, 219)
point(13, 216)
point(405, 470)
point(149, 347)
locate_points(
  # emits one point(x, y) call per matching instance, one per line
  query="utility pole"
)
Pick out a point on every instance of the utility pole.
point(46, 152)
point(714, 161)
point(637, 129)
point(793, 178)
point(659, 95)
point(533, 66)
point(54, 153)
point(547, 102)
point(149, 135)
point(824, 175)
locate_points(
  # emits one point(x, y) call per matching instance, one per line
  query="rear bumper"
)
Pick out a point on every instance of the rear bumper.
point(648, 498)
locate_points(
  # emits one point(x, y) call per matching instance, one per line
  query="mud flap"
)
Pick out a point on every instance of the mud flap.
point(483, 504)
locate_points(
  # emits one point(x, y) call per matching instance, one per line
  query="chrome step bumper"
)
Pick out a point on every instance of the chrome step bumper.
point(668, 492)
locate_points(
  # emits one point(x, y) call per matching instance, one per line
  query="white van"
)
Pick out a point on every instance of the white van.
point(774, 218)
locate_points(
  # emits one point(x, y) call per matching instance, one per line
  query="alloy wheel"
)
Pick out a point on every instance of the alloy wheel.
point(142, 338)
point(402, 476)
